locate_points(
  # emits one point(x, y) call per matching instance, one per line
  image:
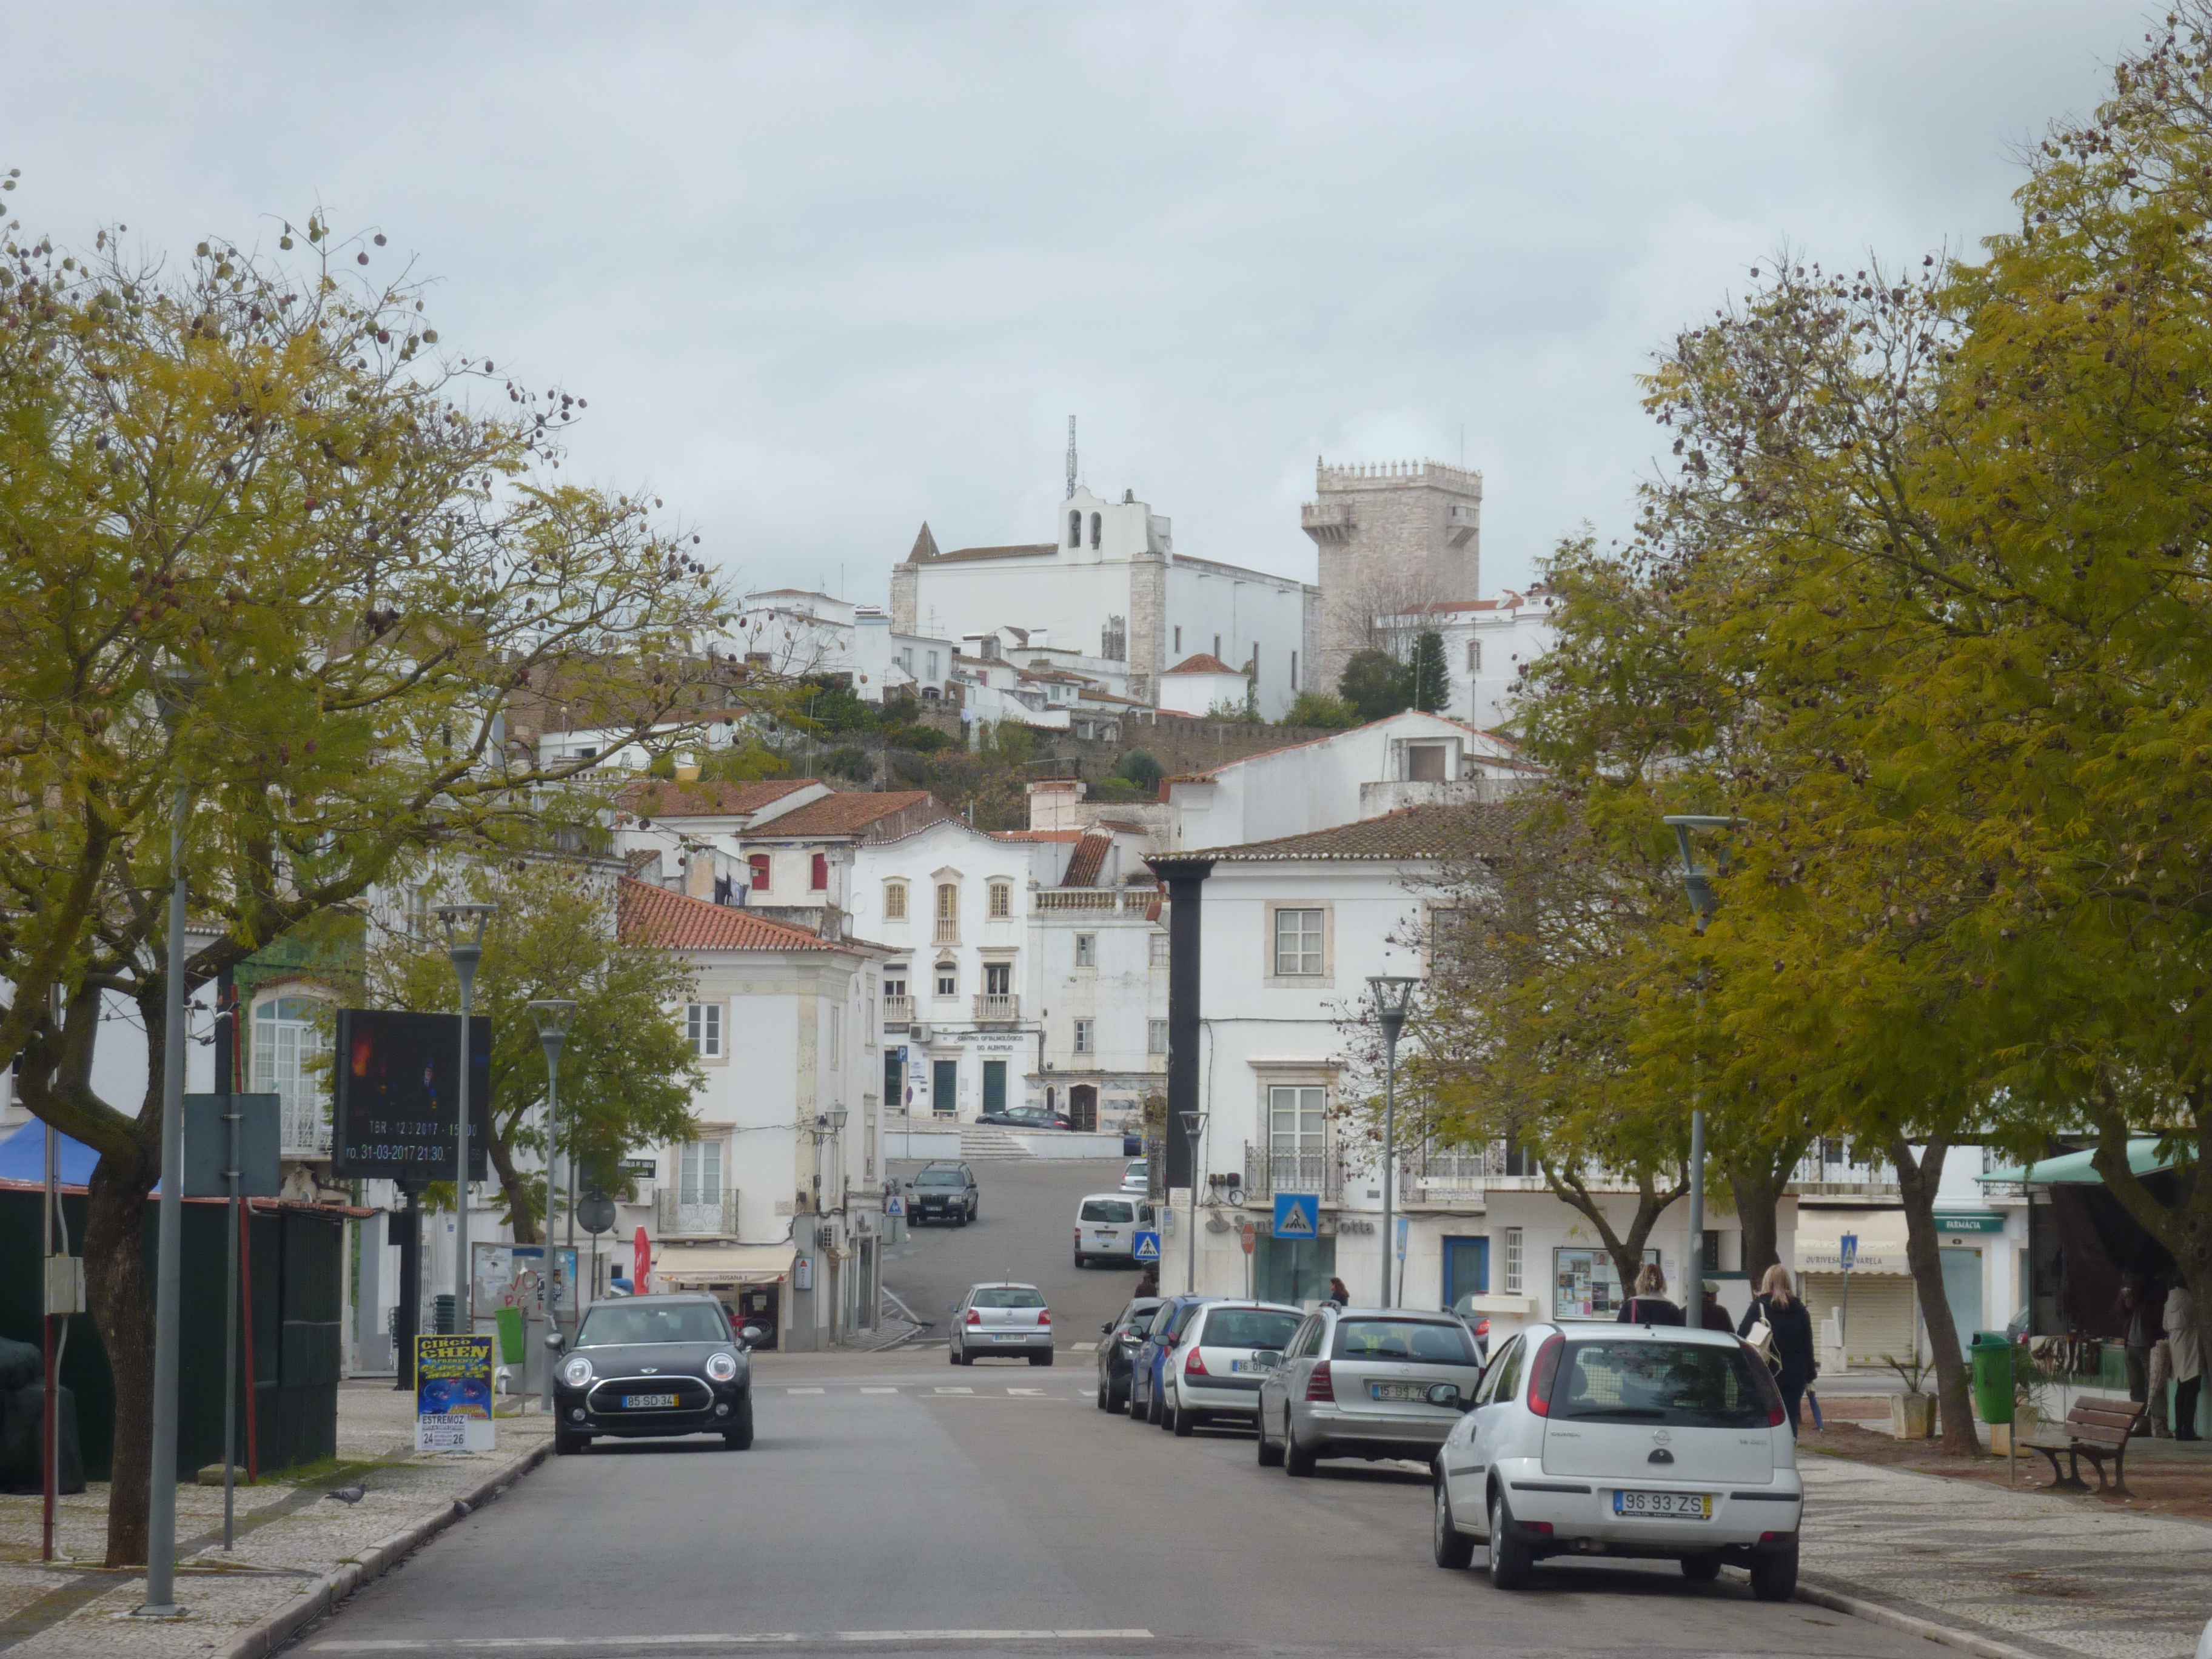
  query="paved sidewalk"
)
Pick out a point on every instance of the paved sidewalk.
point(2049, 1576)
point(291, 1540)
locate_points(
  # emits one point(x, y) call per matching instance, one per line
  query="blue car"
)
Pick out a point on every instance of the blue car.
point(1145, 1369)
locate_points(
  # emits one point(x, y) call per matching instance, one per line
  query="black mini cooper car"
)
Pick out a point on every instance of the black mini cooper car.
point(649, 1366)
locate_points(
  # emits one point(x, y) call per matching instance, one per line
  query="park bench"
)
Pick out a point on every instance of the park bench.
point(2096, 1430)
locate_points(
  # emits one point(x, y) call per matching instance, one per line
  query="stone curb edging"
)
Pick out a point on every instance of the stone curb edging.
point(1944, 1635)
point(332, 1589)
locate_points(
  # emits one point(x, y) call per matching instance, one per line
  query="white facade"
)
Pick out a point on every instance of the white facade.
point(1489, 645)
point(1203, 685)
point(791, 632)
point(1099, 979)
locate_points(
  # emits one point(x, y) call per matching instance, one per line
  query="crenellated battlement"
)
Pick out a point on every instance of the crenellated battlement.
point(1384, 474)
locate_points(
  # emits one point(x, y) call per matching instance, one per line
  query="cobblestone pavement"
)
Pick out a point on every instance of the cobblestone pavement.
point(2052, 1576)
point(289, 1536)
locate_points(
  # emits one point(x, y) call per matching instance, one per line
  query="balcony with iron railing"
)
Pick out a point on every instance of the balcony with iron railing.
point(305, 1132)
point(898, 1011)
point(1820, 1176)
point(995, 1007)
point(711, 1218)
point(1452, 1174)
point(1305, 1169)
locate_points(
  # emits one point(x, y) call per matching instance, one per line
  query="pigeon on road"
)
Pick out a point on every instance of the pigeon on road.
point(352, 1494)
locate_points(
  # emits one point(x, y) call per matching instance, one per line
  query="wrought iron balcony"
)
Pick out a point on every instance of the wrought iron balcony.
point(713, 1218)
point(1827, 1177)
point(1308, 1169)
point(1449, 1174)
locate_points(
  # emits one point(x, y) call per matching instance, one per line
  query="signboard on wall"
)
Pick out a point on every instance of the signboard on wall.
point(395, 1095)
point(453, 1393)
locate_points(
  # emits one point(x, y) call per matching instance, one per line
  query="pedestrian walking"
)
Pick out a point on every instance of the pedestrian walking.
point(1711, 1313)
point(1784, 1314)
point(1148, 1282)
point(1650, 1305)
point(2188, 1346)
point(1337, 1294)
point(2137, 1331)
point(2161, 1383)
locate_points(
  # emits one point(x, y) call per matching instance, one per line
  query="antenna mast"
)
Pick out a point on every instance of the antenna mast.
point(1071, 459)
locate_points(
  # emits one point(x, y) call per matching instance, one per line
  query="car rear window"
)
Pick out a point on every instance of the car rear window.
point(1404, 1338)
point(939, 1178)
point(1107, 1209)
point(1007, 1296)
point(1674, 1384)
point(1248, 1328)
point(624, 1322)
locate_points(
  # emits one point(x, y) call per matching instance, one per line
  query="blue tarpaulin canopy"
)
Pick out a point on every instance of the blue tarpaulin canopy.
point(23, 1157)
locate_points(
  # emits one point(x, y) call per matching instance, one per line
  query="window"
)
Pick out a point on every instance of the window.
point(1216, 645)
point(1002, 900)
point(894, 984)
point(1425, 763)
point(1296, 1117)
point(1178, 644)
point(1669, 1385)
point(905, 660)
point(836, 1038)
point(1297, 944)
point(1508, 1363)
point(1474, 656)
point(699, 1173)
point(1086, 950)
point(820, 877)
point(1156, 1036)
point(948, 979)
point(933, 665)
point(757, 869)
point(948, 912)
point(1084, 1028)
point(1097, 523)
point(998, 979)
point(1075, 530)
point(894, 901)
point(1512, 1253)
point(290, 1042)
point(1159, 949)
point(702, 1022)
point(1294, 671)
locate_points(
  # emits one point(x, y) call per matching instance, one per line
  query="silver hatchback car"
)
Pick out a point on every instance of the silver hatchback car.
point(1364, 1382)
point(1005, 1317)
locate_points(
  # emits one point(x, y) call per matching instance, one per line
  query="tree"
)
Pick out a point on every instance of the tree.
point(627, 1073)
point(1431, 683)
point(1139, 767)
point(1375, 685)
point(1319, 711)
point(266, 473)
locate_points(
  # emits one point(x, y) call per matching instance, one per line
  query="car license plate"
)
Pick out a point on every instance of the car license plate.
point(1397, 1391)
point(1672, 1506)
point(646, 1402)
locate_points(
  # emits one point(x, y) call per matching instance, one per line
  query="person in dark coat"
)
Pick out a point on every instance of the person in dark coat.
point(1711, 1313)
point(1338, 1294)
point(1650, 1305)
point(1785, 1315)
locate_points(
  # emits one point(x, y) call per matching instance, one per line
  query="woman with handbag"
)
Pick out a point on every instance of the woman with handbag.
point(1777, 1325)
point(1650, 1305)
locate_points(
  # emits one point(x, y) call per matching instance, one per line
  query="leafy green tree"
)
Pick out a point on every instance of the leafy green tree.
point(749, 762)
point(1375, 685)
point(1431, 683)
point(1140, 768)
point(1319, 711)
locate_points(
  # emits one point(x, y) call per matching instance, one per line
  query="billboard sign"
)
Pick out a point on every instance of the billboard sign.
point(393, 1102)
point(453, 1393)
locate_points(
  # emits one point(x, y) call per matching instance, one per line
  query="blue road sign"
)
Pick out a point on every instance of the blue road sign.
point(1403, 1226)
point(1298, 1215)
point(1148, 1247)
point(894, 1205)
point(1848, 1250)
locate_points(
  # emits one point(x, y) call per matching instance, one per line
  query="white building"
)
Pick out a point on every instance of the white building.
point(1203, 684)
point(1098, 957)
point(1108, 580)
point(1489, 646)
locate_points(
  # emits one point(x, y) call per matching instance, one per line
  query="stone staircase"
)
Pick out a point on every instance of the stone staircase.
point(979, 1142)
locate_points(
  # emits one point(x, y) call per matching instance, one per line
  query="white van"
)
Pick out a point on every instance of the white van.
point(1107, 1226)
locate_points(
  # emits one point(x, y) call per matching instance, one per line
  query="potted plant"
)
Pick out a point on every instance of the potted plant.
point(1912, 1413)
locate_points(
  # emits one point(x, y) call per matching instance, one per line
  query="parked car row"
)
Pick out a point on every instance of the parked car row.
point(1636, 1441)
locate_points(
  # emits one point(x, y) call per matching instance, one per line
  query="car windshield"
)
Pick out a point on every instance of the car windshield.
point(1107, 1209)
point(1247, 1328)
point(622, 1323)
point(1404, 1338)
point(1007, 1296)
point(1674, 1384)
point(938, 1178)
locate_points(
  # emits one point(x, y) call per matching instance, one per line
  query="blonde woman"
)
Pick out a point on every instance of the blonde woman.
point(1650, 1305)
point(1785, 1315)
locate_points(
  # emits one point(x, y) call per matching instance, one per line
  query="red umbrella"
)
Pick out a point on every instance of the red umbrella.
point(642, 1255)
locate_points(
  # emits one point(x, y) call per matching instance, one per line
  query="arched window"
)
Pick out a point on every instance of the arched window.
point(1074, 531)
point(757, 865)
point(1474, 656)
point(1097, 523)
point(894, 901)
point(290, 1042)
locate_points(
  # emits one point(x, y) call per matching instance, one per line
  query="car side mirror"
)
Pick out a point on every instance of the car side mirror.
point(1268, 1359)
point(1447, 1393)
point(1107, 1330)
point(752, 1336)
point(555, 1341)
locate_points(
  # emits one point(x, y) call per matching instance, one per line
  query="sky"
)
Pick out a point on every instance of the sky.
point(826, 271)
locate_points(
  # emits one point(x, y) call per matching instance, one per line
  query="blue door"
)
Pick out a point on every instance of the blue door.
point(1466, 1268)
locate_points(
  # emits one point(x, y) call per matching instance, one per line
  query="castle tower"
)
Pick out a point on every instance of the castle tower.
point(904, 581)
point(1392, 536)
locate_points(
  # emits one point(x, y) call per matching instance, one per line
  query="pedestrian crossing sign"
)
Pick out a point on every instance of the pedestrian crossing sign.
point(1148, 1247)
point(895, 1206)
point(1298, 1215)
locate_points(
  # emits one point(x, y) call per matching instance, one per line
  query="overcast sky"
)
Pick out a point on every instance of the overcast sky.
point(826, 271)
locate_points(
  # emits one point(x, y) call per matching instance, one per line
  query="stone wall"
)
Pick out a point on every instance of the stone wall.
point(1148, 626)
point(1179, 745)
point(1392, 536)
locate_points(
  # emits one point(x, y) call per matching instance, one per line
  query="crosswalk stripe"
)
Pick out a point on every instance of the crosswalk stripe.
point(952, 1390)
point(879, 1391)
point(806, 1390)
point(1082, 1347)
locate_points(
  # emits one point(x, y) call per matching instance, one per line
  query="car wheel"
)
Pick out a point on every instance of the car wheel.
point(1044, 1359)
point(1136, 1410)
point(955, 1357)
point(1509, 1558)
point(1271, 1456)
point(738, 1437)
point(568, 1445)
point(1155, 1409)
point(1774, 1574)
point(1105, 1396)
point(1185, 1421)
point(1701, 1568)
point(1080, 1261)
point(1453, 1549)
point(1297, 1461)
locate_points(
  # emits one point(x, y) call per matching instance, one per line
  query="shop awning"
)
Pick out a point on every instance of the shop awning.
point(1881, 1235)
point(678, 1267)
point(2080, 1169)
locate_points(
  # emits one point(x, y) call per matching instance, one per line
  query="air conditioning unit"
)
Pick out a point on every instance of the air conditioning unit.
point(920, 1033)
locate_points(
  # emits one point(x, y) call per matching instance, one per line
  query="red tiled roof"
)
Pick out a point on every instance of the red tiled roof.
point(674, 921)
point(656, 798)
point(1090, 859)
point(848, 812)
point(1213, 773)
point(1204, 663)
point(1476, 830)
point(1067, 837)
point(1028, 550)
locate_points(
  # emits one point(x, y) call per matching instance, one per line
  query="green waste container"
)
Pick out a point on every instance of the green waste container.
point(1992, 1362)
point(514, 1343)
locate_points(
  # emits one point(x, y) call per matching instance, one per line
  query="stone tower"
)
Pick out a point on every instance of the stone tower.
point(1392, 536)
point(905, 582)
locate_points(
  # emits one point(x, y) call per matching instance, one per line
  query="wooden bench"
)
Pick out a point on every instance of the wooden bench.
point(2096, 1430)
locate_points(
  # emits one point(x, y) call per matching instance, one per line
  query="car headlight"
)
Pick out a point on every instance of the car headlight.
point(722, 1367)
point(577, 1371)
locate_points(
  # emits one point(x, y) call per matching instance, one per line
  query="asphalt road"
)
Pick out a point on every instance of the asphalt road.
point(891, 1504)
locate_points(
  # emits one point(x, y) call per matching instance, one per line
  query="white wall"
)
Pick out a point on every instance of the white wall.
point(1201, 694)
point(1253, 614)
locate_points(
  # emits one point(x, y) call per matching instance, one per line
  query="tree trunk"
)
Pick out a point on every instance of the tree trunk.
point(1757, 1186)
point(121, 1302)
point(1626, 1250)
point(521, 1214)
point(1917, 1183)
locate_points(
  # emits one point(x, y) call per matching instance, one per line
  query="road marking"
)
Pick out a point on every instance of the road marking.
point(1037, 1394)
point(1082, 1347)
point(879, 1391)
point(806, 1391)
point(952, 1390)
point(741, 1639)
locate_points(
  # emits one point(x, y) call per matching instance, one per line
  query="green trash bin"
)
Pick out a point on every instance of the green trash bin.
point(1992, 1363)
point(513, 1341)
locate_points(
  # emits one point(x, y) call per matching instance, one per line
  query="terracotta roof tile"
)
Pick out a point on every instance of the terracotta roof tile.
point(1090, 859)
point(1065, 836)
point(655, 797)
point(848, 812)
point(1028, 550)
point(1204, 663)
point(1477, 829)
point(674, 921)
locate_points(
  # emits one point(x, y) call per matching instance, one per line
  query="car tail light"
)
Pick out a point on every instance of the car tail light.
point(1044, 1315)
point(1319, 1384)
point(973, 1318)
point(1546, 1374)
point(1776, 1537)
point(1537, 1528)
point(1195, 1365)
point(1482, 1328)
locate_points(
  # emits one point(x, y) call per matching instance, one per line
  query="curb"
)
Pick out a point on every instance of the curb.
point(1878, 1612)
point(332, 1589)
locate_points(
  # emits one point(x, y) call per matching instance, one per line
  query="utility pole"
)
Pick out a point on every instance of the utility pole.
point(1393, 994)
point(1697, 884)
point(553, 1016)
point(464, 927)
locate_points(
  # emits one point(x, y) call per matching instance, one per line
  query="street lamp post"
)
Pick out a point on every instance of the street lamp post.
point(464, 925)
point(553, 1016)
point(1697, 884)
point(1392, 995)
point(828, 1126)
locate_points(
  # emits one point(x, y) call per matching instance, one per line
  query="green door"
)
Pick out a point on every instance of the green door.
point(994, 1085)
point(894, 1081)
point(944, 1087)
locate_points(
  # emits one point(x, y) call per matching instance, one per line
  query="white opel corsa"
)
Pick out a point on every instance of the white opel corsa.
point(1624, 1440)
